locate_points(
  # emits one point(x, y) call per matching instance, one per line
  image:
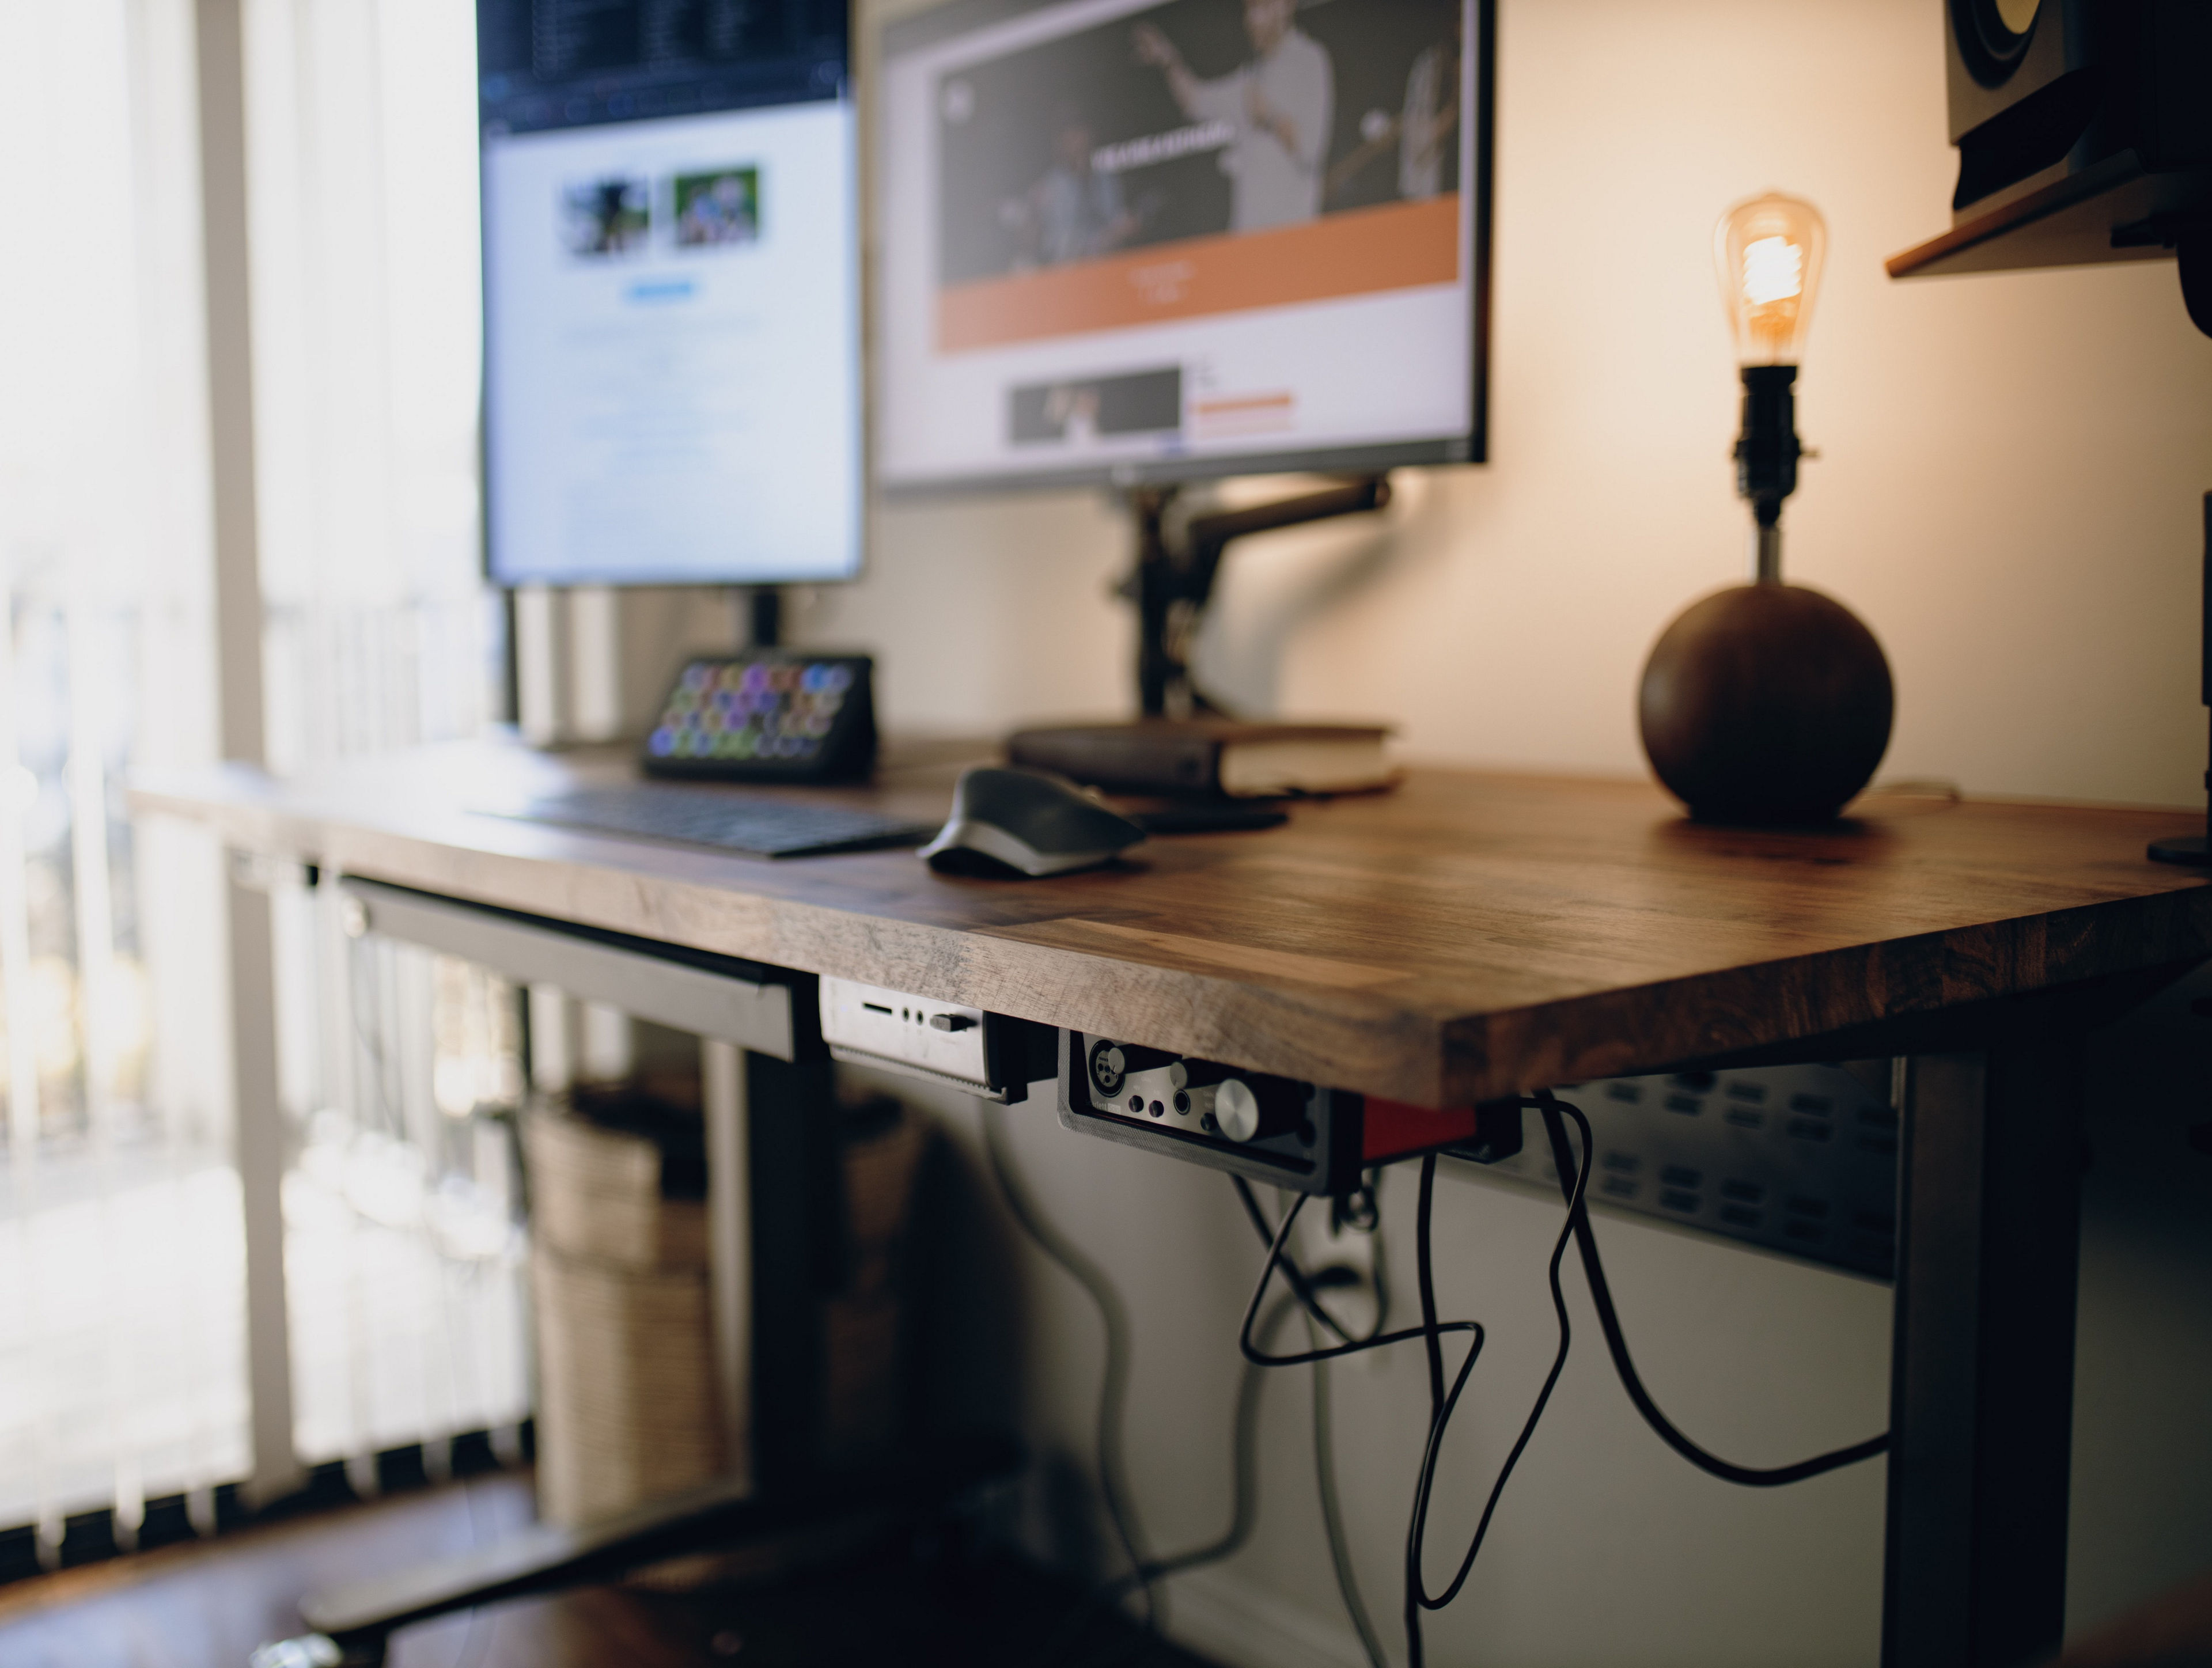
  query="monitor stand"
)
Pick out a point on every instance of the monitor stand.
point(760, 606)
point(1175, 576)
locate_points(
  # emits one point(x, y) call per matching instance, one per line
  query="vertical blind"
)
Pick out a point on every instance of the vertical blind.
point(121, 1337)
point(122, 1343)
point(402, 1261)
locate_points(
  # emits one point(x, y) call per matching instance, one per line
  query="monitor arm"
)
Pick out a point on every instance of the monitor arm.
point(1175, 578)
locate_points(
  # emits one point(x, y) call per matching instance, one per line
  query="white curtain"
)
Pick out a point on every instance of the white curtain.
point(403, 1256)
point(362, 159)
point(122, 1341)
point(121, 1334)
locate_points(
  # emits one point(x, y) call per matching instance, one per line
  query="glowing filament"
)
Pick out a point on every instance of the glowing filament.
point(1774, 271)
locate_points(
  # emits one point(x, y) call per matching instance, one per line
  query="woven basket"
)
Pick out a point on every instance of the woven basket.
point(627, 1408)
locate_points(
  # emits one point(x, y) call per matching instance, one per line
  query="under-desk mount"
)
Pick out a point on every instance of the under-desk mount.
point(720, 996)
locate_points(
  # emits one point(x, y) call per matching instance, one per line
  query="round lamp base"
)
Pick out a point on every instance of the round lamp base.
point(1766, 703)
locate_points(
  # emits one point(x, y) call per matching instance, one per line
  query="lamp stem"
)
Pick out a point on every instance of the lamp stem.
point(1766, 456)
point(1766, 553)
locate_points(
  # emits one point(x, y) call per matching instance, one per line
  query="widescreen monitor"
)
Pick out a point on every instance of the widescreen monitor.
point(1132, 241)
point(671, 292)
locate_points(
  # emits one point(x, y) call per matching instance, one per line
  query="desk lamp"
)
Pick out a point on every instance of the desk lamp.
point(1767, 702)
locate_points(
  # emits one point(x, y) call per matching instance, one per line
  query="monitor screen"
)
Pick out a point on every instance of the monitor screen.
point(1126, 240)
point(672, 295)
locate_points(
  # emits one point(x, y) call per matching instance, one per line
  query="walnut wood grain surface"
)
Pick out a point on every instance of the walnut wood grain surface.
point(1466, 935)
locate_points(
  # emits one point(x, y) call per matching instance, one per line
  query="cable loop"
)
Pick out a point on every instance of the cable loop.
point(1259, 1357)
point(1616, 1341)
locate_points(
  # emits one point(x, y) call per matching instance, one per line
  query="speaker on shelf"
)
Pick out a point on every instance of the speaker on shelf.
point(2043, 90)
point(2084, 131)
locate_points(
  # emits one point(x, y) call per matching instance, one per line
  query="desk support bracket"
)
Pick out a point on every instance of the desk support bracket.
point(755, 1013)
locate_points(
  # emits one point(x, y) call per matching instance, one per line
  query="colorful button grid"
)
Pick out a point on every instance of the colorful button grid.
point(740, 710)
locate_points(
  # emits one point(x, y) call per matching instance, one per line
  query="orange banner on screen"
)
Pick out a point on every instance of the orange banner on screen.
point(1399, 246)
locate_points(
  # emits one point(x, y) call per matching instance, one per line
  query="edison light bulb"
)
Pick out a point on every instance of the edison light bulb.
point(1768, 250)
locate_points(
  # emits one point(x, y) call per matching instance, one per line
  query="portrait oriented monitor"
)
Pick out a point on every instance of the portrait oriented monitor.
point(1131, 241)
point(671, 292)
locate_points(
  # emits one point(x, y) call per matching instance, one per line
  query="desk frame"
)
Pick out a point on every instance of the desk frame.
point(1982, 1365)
point(1989, 1162)
point(1469, 937)
point(1989, 1226)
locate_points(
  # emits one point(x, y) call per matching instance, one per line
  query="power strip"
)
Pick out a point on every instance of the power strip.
point(1799, 1159)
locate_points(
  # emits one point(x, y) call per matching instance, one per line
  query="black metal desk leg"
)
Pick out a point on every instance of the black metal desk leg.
point(1982, 1377)
point(797, 1251)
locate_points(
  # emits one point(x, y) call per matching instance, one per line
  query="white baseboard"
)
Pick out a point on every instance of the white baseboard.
point(1239, 1625)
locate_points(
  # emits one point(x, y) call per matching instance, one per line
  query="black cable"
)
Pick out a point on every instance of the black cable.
point(1416, 1588)
point(1332, 1514)
point(1332, 1510)
point(1433, 1342)
point(1417, 1597)
point(1296, 1277)
point(1574, 1182)
point(1305, 1293)
point(1378, 1273)
point(1276, 1258)
point(1114, 1386)
point(1245, 1472)
point(1259, 1357)
point(1616, 1342)
point(1244, 1509)
point(1425, 1271)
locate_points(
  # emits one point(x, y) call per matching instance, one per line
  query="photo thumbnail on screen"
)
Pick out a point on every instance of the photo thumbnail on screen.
point(1076, 408)
point(718, 208)
point(609, 215)
point(1195, 118)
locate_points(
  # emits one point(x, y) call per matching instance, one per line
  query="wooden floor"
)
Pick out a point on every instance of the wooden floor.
point(208, 1605)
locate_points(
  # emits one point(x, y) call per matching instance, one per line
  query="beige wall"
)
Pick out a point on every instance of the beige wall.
point(2009, 494)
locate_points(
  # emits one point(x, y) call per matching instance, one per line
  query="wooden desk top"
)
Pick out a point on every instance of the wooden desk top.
point(1464, 935)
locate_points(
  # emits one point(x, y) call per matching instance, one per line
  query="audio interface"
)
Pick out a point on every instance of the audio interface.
point(1275, 1130)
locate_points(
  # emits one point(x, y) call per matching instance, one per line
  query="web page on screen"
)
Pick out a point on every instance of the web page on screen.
point(1121, 231)
point(671, 291)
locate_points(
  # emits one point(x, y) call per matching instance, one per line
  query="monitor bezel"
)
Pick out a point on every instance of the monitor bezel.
point(901, 34)
point(645, 580)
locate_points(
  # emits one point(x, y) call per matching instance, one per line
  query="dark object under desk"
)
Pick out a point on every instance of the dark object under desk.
point(1471, 936)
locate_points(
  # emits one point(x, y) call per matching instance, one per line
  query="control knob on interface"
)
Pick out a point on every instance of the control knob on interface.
point(1241, 1112)
point(1236, 1109)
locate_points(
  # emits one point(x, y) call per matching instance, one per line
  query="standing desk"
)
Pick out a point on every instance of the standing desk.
point(1465, 936)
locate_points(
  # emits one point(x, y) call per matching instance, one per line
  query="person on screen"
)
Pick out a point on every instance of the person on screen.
point(1072, 409)
point(1430, 120)
point(613, 217)
point(1073, 212)
point(1422, 133)
point(1278, 105)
